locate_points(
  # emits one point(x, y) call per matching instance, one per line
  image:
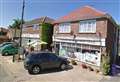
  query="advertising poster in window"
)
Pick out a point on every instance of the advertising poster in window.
point(92, 58)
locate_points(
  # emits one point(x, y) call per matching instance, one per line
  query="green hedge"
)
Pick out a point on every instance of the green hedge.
point(46, 35)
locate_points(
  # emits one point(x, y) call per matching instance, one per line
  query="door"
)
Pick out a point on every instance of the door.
point(44, 60)
point(53, 61)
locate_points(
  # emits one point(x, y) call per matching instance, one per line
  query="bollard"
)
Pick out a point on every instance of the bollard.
point(13, 58)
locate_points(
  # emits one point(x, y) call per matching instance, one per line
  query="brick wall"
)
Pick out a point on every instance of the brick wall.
point(111, 39)
point(101, 27)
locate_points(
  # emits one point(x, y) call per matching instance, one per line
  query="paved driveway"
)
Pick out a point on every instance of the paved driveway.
point(17, 73)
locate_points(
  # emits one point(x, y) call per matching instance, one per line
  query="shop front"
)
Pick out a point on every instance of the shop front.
point(86, 51)
point(83, 53)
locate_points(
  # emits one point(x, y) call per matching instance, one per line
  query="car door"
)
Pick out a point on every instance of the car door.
point(44, 60)
point(53, 60)
point(12, 49)
point(8, 50)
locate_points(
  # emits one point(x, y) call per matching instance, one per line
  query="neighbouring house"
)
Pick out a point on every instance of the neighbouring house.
point(4, 35)
point(85, 34)
point(14, 34)
point(31, 31)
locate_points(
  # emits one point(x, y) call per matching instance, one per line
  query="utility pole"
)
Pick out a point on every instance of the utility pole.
point(21, 26)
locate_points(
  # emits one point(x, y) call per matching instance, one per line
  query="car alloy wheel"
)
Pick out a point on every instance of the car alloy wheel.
point(63, 66)
point(36, 69)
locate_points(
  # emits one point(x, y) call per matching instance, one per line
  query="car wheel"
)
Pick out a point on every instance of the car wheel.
point(63, 66)
point(35, 70)
point(5, 54)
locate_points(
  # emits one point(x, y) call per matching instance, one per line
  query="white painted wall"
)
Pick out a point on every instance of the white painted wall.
point(31, 35)
point(88, 40)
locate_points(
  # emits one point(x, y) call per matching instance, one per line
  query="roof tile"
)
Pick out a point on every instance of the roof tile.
point(82, 13)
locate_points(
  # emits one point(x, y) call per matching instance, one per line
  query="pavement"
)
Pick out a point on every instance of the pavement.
point(15, 72)
point(3, 73)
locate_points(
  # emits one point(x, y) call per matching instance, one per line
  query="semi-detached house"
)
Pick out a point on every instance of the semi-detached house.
point(85, 34)
point(32, 31)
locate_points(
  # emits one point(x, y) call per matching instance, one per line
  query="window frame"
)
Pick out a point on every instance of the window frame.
point(36, 26)
point(85, 27)
point(62, 27)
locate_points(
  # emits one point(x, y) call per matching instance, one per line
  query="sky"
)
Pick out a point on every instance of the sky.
point(11, 9)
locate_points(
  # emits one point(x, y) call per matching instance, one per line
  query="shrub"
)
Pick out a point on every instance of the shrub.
point(73, 62)
point(106, 65)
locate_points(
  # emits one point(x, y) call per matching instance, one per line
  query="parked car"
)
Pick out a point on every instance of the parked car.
point(9, 49)
point(36, 62)
point(5, 43)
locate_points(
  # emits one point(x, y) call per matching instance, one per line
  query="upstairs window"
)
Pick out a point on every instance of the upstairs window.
point(64, 28)
point(36, 26)
point(88, 26)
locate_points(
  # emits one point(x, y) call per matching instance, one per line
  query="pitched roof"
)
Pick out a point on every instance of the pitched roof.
point(39, 20)
point(3, 29)
point(86, 12)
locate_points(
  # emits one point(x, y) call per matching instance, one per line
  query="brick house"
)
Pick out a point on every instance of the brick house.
point(31, 30)
point(85, 34)
point(4, 35)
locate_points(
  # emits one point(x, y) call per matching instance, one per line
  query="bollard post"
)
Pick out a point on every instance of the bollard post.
point(13, 58)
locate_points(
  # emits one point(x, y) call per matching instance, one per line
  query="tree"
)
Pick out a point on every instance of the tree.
point(15, 25)
point(46, 35)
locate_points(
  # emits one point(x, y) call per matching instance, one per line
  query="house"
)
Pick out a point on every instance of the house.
point(4, 35)
point(85, 35)
point(31, 31)
point(14, 34)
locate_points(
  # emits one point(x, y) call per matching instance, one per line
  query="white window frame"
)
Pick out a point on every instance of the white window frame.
point(64, 28)
point(36, 26)
point(84, 26)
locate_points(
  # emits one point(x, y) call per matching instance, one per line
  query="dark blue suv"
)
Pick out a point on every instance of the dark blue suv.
point(35, 62)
